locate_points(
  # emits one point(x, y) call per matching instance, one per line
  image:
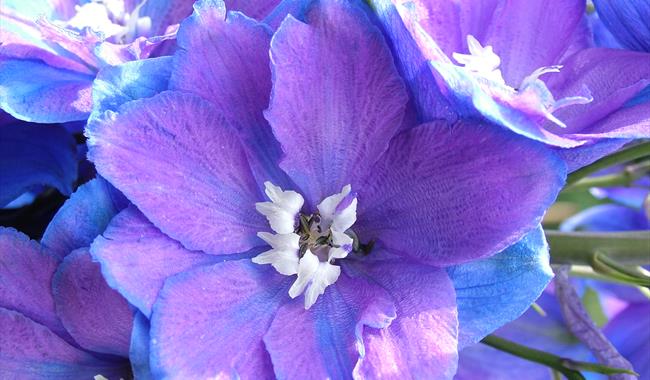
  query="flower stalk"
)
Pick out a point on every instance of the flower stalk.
point(567, 367)
point(625, 248)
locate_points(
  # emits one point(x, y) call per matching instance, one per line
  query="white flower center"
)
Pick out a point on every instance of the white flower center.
point(307, 245)
point(109, 18)
point(532, 93)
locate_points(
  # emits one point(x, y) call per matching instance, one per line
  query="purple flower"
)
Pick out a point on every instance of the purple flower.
point(627, 21)
point(58, 317)
point(52, 50)
point(286, 226)
point(527, 66)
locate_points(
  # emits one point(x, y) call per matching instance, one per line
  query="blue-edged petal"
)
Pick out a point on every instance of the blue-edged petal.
point(254, 9)
point(494, 291)
point(628, 21)
point(210, 321)
point(139, 349)
point(35, 155)
point(32, 351)
point(116, 85)
point(337, 97)
point(421, 201)
point(181, 163)
point(96, 316)
point(33, 91)
point(83, 217)
point(136, 258)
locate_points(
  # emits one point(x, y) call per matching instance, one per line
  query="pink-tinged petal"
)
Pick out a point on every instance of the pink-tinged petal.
point(254, 9)
point(210, 321)
point(82, 217)
point(33, 91)
point(96, 316)
point(225, 60)
point(421, 343)
point(483, 188)
point(326, 340)
point(528, 35)
point(614, 78)
point(177, 159)
point(337, 98)
point(136, 258)
point(31, 351)
point(26, 273)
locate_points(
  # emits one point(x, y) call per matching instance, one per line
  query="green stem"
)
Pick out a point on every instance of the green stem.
point(625, 155)
point(568, 367)
point(626, 248)
point(530, 354)
point(621, 179)
point(585, 271)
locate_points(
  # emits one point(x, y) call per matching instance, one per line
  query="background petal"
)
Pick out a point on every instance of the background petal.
point(175, 157)
point(450, 195)
point(627, 20)
point(33, 91)
point(31, 351)
point(97, 317)
point(26, 280)
point(337, 98)
point(494, 291)
point(83, 217)
point(33, 155)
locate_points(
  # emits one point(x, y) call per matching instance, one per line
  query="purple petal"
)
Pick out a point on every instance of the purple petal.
point(165, 13)
point(236, 78)
point(209, 321)
point(35, 155)
point(82, 217)
point(629, 331)
point(333, 122)
point(613, 77)
point(32, 91)
point(326, 340)
point(422, 340)
point(25, 283)
point(445, 195)
point(31, 351)
point(530, 34)
point(581, 156)
point(172, 157)
point(96, 316)
point(628, 21)
point(136, 258)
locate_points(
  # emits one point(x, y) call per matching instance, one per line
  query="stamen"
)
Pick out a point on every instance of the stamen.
point(307, 245)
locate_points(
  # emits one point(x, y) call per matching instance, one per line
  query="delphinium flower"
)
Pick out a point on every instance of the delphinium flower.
point(312, 239)
point(51, 51)
point(59, 318)
point(627, 20)
point(526, 66)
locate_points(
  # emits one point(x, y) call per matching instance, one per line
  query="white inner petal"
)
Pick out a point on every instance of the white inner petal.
point(532, 93)
point(322, 241)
